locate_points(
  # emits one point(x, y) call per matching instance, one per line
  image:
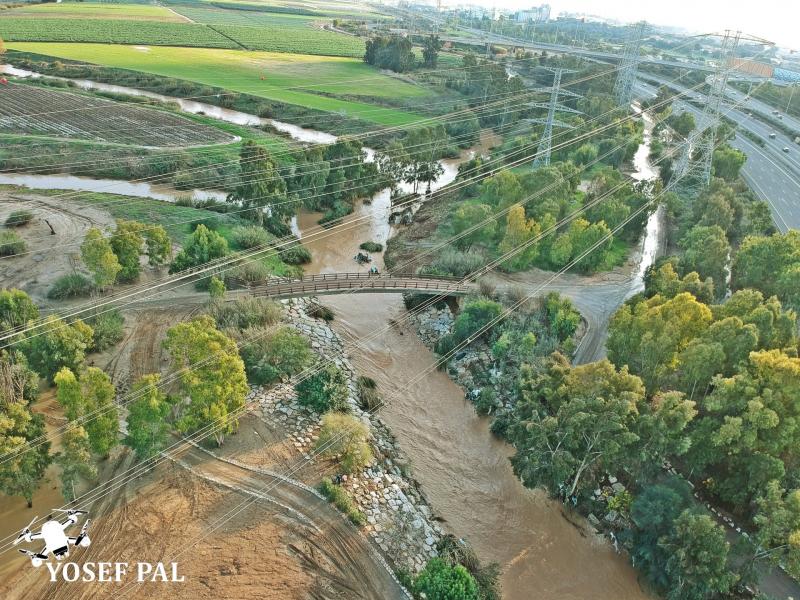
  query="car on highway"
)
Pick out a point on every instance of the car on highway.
point(786, 149)
point(772, 135)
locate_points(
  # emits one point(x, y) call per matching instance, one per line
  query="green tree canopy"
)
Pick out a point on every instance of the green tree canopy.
point(764, 262)
point(649, 336)
point(75, 460)
point(697, 564)
point(728, 162)
point(148, 428)
point(203, 245)
point(90, 398)
point(747, 429)
point(99, 258)
point(16, 309)
point(271, 356)
point(58, 345)
point(25, 455)
point(571, 425)
point(213, 379)
point(706, 251)
point(127, 243)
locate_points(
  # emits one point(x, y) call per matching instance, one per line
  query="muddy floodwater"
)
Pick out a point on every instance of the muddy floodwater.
point(464, 470)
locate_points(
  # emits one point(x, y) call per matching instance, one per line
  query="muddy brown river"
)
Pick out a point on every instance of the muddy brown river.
point(464, 470)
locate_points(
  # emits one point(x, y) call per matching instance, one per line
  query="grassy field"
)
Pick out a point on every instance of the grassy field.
point(112, 31)
point(289, 78)
point(277, 32)
point(38, 111)
point(197, 25)
point(87, 10)
point(336, 9)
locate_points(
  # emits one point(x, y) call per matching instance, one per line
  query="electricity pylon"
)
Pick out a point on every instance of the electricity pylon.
point(626, 76)
point(693, 169)
point(552, 106)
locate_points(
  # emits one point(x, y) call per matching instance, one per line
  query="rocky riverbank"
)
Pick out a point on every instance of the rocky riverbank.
point(399, 520)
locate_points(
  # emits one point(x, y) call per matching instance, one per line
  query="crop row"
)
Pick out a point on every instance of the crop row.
point(31, 110)
point(110, 31)
point(296, 40)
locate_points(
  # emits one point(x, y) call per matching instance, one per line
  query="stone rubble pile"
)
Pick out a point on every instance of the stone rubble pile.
point(398, 518)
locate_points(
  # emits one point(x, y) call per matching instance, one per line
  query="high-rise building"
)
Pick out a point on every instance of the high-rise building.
point(537, 14)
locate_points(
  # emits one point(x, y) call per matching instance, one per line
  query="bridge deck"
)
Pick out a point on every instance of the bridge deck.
point(361, 283)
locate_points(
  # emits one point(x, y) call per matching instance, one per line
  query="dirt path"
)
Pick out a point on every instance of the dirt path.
point(334, 548)
point(48, 256)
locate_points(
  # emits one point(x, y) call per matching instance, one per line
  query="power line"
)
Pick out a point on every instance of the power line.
point(626, 77)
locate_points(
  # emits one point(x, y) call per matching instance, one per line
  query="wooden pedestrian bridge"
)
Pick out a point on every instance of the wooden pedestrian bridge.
point(361, 283)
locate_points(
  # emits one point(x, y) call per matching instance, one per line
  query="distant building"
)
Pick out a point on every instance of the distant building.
point(537, 14)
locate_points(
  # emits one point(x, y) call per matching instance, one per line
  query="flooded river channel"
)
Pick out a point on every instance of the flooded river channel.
point(464, 470)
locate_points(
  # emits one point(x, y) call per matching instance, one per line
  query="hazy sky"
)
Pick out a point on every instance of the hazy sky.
point(776, 20)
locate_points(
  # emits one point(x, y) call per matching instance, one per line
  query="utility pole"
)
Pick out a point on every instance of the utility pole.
point(693, 169)
point(626, 76)
point(552, 106)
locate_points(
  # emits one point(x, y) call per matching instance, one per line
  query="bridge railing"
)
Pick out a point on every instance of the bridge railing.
point(309, 286)
point(358, 276)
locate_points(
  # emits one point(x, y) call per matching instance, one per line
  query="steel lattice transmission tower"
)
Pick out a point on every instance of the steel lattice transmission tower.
point(692, 170)
point(552, 106)
point(626, 76)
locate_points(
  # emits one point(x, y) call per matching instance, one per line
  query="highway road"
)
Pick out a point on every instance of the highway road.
point(774, 175)
point(757, 106)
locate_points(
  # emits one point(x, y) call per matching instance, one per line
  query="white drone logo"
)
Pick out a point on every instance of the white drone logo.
point(55, 540)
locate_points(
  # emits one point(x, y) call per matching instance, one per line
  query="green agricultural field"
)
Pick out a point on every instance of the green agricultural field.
point(86, 10)
point(288, 78)
point(112, 31)
point(336, 9)
point(276, 32)
point(305, 40)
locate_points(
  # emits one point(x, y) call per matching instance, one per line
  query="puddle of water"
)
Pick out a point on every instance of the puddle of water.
point(111, 186)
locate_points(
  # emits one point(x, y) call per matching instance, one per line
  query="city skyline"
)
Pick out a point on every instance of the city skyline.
point(774, 20)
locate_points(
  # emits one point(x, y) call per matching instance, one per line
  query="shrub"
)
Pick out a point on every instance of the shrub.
point(457, 263)
point(339, 498)
point(372, 247)
point(441, 581)
point(345, 436)
point(18, 218)
point(368, 397)
point(319, 311)
point(272, 355)
point(251, 236)
point(324, 391)
point(246, 312)
point(73, 285)
point(108, 329)
point(296, 255)
point(487, 288)
point(476, 315)
point(249, 273)
point(10, 243)
point(211, 223)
